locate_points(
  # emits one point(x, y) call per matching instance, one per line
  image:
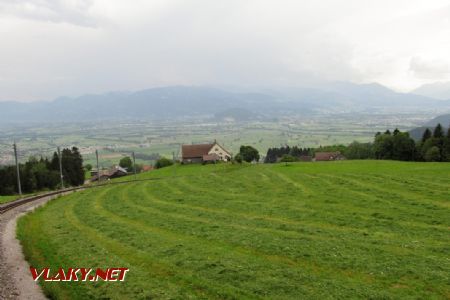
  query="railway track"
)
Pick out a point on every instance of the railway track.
point(16, 203)
point(10, 205)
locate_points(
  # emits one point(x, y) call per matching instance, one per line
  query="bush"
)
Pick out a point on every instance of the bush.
point(288, 158)
point(249, 154)
point(433, 154)
point(163, 162)
point(126, 163)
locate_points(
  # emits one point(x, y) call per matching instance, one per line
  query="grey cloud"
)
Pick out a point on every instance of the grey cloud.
point(144, 43)
point(57, 11)
point(429, 69)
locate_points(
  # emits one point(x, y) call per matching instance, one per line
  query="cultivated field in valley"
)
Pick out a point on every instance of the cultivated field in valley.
point(116, 139)
point(364, 229)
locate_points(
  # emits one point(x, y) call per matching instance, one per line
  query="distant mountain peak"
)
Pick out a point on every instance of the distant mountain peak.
point(197, 101)
point(438, 90)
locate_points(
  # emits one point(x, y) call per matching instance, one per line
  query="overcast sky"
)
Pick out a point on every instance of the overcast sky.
point(51, 48)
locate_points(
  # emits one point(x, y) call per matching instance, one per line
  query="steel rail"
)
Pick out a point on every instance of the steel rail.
point(16, 203)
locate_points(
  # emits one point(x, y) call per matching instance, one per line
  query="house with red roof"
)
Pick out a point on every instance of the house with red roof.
point(328, 156)
point(204, 153)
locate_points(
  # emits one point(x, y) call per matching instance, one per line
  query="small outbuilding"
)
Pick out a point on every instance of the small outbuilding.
point(328, 156)
point(113, 172)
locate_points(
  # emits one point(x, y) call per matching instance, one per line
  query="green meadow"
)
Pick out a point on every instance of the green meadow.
point(4, 199)
point(350, 229)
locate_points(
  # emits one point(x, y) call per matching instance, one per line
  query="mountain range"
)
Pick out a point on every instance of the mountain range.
point(188, 101)
point(438, 90)
point(444, 120)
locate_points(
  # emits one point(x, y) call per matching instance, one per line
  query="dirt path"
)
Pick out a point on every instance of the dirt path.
point(15, 277)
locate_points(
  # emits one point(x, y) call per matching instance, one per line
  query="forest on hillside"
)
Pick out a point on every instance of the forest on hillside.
point(396, 145)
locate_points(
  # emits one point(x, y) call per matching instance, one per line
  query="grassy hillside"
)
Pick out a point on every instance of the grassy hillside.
point(362, 229)
point(4, 199)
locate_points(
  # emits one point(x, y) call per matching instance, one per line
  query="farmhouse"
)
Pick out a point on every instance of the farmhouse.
point(202, 153)
point(111, 173)
point(327, 156)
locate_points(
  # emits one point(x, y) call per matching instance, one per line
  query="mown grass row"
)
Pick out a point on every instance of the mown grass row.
point(335, 230)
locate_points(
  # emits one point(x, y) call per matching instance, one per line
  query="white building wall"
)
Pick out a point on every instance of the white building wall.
point(220, 151)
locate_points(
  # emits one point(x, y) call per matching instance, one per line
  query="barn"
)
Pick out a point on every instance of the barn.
point(203, 153)
point(328, 156)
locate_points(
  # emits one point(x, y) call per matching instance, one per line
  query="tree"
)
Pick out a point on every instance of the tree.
point(77, 165)
point(88, 167)
point(72, 166)
point(358, 150)
point(163, 162)
point(429, 143)
point(438, 132)
point(446, 147)
point(438, 136)
point(433, 154)
point(403, 147)
point(384, 146)
point(426, 135)
point(34, 175)
point(286, 158)
point(271, 156)
point(126, 163)
point(238, 158)
point(249, 153)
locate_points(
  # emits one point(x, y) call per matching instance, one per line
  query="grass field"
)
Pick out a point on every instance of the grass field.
point(353, 229)
point(116, 139)
point(4, 199)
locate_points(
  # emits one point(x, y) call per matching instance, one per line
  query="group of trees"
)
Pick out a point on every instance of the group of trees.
point(435, 146)
point(163, 162)
point(286, 152)
point(396, 145)
point(41, 174)
point(247, 154)
point(127, 164)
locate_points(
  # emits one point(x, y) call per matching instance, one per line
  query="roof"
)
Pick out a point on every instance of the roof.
point(193, 151)
point(119, 168)
point(114, 171)
point(146, 168)
point(327, 155)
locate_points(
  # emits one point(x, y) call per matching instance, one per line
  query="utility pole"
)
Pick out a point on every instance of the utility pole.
point(134, 164)
point(174, 164)
point(98, 169)
point(60, 168)
point(17, 169)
